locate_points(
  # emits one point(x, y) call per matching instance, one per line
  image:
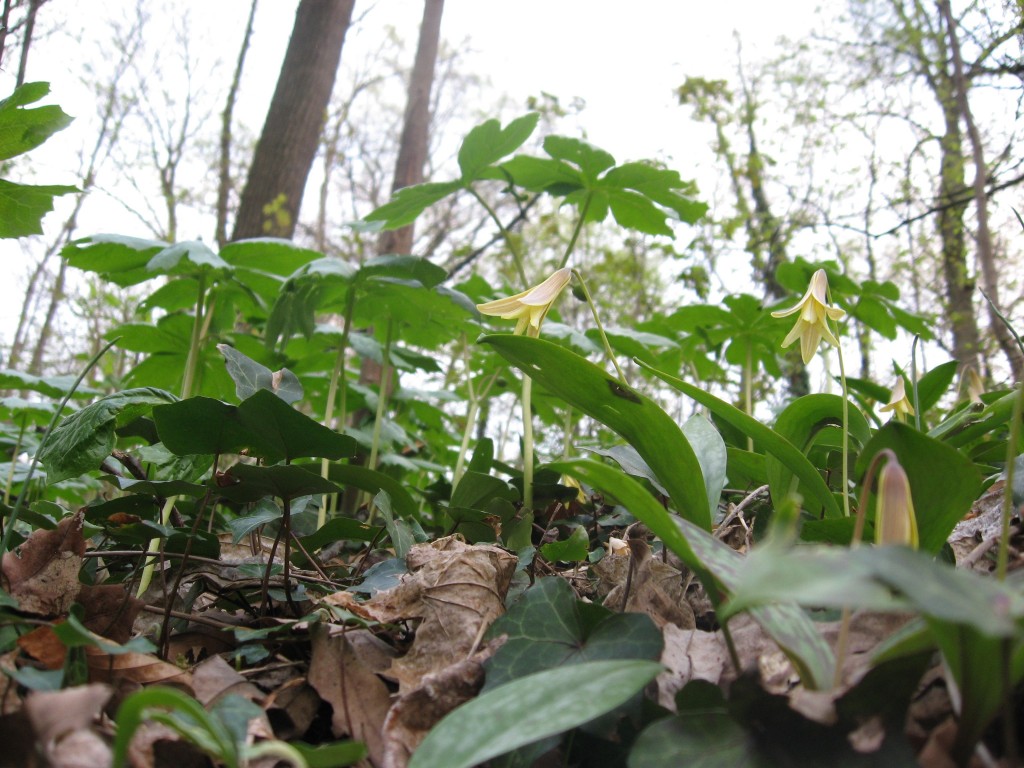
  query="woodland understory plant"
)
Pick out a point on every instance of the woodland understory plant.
point(260, 341)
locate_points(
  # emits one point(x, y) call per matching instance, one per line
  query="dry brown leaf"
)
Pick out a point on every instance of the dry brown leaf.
point(292, 708)
point(655, 588)
point(10, 701)
point(81, 749)
point(54, 714)
point(416, 712)
point(109, 611)
point(214, 678)
point(155, 745)
point(43, 645)
point(359, 698)
point(457, 589)
point(43, 574)
point(141, 668)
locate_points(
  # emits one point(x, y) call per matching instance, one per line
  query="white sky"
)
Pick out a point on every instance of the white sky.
point(623, 60)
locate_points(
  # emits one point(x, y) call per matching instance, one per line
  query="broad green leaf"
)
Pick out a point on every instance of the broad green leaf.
point(267, 254)
point(201, 425)
point(265, 511)
point(541, 174)
point(800, 423)
point(531, 708)
point(163, 488)
point(772, 442)
point(73, 634)
point(409, 202)
point(476, 489)
point(24, 129)
point(336, 755)
point(588, 158)
point(247, 482)
point(711, 452)
point(83, 440)
point(943, 482)
point(398, 530)
point(572, 549)
point(717, 564)
point(121, 260)
point(397, 266)
point(51, 386)
point(933, 385)
point(632, 464)
point(639, 420)
point(701, 739)
point(547, 627)
point(250, 376)
point(340, 529)
point(190, 257)
point(488, 143)
point(634, 211)
point(282, 433)
point(22, 206)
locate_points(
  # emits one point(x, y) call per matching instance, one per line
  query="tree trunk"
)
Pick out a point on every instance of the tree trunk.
point(412, 151)
point(277, 178)
point(986, 259)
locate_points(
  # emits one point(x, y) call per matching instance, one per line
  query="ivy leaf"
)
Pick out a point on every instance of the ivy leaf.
point(572, 549)
point(548, 628)
point(201, 425)
point(82, 441)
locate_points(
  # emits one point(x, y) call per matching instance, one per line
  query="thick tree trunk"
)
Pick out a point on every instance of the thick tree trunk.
point(277, 178)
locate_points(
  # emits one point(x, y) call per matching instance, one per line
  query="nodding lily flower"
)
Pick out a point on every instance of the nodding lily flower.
point(529, 307)
point(812, 324)
point(899, 403)
point(895, 521)
point(971, 381)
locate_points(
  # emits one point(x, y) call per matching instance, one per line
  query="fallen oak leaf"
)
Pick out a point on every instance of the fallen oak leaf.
point(42, 575)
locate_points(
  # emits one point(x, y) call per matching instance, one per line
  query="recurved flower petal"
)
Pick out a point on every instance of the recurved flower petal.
point(899, 404)
point(812, 324)
point(529, 307)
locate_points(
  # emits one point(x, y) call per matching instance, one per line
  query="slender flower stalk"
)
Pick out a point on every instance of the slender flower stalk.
point(812, 325)
point(528, 309)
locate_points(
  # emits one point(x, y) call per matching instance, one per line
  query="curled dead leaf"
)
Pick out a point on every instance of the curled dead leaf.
point(43, 574)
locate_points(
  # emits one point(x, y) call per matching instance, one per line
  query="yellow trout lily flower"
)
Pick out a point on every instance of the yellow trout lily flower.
point(812, 324)
point(895, 521)
point(529, 307)
point(899, 404)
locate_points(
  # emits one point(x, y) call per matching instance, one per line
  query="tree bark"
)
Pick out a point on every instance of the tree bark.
point(277, 178)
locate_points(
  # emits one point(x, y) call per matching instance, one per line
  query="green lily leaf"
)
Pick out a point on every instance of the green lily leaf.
point(282, 433)
point(772, 442)
point(943, 482)
point(645, 426)
point(398, 530)
point(717, 565)
point(531, 708)
point(800, 423)
point(711, 452)
point(933, 385)
point(83, 440)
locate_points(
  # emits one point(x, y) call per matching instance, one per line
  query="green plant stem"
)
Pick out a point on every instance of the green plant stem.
point(748, 390)
point(576, 230)
point(600, 327)
point(843, 641)
point(382, 396)
point(1003, 554)
point(913, 382)
point(846, 430)
point(6, 539)
point(512, 247)
point(325, 464)
point(14, 459)
point(192, 361)
point(154, 544)
point(527, 443)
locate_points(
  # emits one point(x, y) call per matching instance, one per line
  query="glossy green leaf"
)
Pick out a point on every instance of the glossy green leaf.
point(268, 255)
point(772, 442)
point(263, 512)
point(717, 565)
point(488, 143)
point(531, 708)
point(933, 385)
point(710, 449)
point(162, 488)
point(540, 174)
point(800, 423)
point(639, 420)
point(398, 529)
point(702, 739)
point(23, 206)
point(336, 755)
point(51, 386)
point(572, 549)
point(548, 627)
point(943, 482)
point(373, 481)
point(282, 433)
point(190, 257)
point(119, 259)
point(83, 440)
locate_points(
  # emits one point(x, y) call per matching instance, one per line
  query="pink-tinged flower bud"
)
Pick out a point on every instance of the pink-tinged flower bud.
point(895, 521)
